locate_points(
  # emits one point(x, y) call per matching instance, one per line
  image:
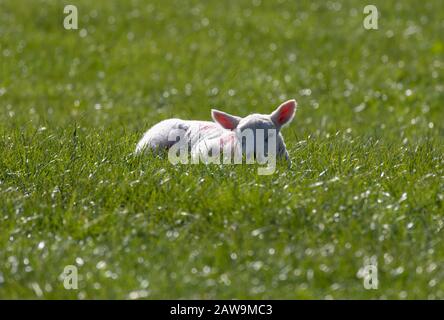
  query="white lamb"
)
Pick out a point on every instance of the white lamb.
point(227, 132)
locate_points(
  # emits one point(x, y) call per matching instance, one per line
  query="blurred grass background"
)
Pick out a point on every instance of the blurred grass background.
point(366, 144)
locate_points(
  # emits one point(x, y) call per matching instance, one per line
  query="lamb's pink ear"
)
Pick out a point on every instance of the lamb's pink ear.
point(226, 120)
point(284, 113)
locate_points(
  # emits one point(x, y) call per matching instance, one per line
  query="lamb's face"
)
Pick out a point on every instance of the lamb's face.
point(261, 131)
point(258, 131)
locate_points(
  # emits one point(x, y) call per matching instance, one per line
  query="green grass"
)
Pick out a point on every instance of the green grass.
point(366, 144)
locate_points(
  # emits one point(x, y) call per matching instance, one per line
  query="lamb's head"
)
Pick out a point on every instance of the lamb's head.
point(260, 128)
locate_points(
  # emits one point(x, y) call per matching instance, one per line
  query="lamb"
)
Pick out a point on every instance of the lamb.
point(255, 136)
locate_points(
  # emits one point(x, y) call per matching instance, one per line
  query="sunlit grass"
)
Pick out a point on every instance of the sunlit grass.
point(366, 145)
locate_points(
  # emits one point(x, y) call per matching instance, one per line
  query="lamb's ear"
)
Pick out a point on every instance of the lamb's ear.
point(284, 113)
point(226, 120)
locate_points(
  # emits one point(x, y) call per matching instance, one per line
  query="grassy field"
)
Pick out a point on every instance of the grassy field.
point(366, 144)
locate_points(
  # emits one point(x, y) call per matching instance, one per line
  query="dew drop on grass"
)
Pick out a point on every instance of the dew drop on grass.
point(206, 270)
point(431, 267)
point(403, 197)
point(83, 33)
point(101, 265)
point(79, 261)
point(134, 295)
point(398, 270)
point(359, 108)
point(432, 283)
point(324, 268)
point(310, 274)
point(257, 265)
point(336, 217)
point(305, 92)
point(36, 288)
